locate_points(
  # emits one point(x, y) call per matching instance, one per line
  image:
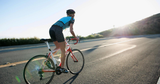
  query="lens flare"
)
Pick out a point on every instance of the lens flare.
point(17, 78)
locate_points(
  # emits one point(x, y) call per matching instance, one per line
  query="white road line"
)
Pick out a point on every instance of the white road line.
point(158, 81)
point(21, 62)
point(13, 64)
point(121, 51)
point(108, 44)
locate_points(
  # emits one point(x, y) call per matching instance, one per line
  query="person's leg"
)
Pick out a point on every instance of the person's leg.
point(60, 43)
point(57, 46)
point(62, 47)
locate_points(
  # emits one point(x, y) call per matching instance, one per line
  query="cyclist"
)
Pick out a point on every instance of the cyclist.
point(56, 34)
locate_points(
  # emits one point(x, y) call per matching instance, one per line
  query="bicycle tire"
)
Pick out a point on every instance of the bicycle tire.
point(33, 76)
point(72, 66)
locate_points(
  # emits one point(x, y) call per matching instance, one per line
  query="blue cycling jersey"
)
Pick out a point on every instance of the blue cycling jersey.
point(64, 22)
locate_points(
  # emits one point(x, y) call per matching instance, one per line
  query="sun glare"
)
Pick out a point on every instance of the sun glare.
point(92, 16)
point(100, 15)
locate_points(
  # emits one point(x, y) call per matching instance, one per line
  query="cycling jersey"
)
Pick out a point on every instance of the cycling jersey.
point(64, 22)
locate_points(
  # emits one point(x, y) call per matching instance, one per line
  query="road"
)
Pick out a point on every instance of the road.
point(132, 60)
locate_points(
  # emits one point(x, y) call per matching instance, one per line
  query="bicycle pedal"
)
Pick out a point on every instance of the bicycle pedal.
point(58, 71)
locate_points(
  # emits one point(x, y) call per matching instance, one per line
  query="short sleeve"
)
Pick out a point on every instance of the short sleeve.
point(72, 20)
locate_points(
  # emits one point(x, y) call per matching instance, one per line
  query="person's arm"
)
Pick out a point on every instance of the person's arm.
point(71, 30)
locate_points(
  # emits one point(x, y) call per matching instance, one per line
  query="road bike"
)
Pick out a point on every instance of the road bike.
point(40, 69)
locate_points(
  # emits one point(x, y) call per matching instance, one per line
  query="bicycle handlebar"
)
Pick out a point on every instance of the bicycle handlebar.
point(75, 39)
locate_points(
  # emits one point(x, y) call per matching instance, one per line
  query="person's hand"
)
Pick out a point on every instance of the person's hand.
point(77, 39)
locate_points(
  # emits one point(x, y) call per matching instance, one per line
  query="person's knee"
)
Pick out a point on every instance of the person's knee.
point(57, 47)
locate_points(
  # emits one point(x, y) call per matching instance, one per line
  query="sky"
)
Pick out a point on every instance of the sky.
point(33, 18)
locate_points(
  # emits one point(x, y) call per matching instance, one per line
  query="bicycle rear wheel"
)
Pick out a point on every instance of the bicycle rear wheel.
point(75, 61)
point(33, 73)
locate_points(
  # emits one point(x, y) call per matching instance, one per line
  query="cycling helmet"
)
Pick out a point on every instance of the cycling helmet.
point(70, 11)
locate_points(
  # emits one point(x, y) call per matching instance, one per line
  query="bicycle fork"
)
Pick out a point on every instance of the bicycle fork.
point(72, 55)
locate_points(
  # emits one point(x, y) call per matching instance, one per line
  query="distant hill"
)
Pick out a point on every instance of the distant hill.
point(150, 25)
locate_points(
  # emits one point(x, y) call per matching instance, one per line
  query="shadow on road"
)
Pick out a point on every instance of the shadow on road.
point(91, 50)
point(71, 79)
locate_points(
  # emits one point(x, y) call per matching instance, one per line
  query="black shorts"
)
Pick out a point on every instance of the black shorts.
point(56, 33)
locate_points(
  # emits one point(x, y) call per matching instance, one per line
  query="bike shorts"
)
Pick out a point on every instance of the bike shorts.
point(56, 33)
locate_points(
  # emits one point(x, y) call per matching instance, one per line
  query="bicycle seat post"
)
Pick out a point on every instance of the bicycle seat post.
point(51, 54)
point(48, 45)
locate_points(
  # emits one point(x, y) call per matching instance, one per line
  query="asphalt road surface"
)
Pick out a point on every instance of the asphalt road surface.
point(132, 60)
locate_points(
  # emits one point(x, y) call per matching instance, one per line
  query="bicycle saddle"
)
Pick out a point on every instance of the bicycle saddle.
point(44, 40)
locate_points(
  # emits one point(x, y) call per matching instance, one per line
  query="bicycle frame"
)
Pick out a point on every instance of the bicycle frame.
point(50, 55)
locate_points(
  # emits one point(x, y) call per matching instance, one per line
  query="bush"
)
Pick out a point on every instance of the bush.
point(20, 41)
point(94, 36)
point(35, 40)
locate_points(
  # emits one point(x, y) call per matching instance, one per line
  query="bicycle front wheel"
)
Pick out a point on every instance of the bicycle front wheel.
point(75, 61)
point(33, 73)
